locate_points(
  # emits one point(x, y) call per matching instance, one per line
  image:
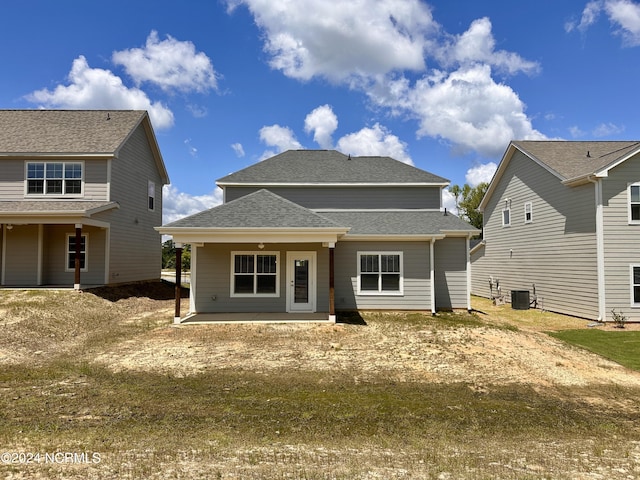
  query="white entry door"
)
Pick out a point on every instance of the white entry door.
point(301, 281)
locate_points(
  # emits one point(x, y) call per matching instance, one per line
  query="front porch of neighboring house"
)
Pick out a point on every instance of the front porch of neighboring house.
point(62, 255)
point(276, 280)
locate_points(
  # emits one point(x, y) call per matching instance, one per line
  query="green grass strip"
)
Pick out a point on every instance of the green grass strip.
point(622, 347)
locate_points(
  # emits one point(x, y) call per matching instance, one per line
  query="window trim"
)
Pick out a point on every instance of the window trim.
point(255, 253)
point(151, 196)
point(380, 292)
point(530, 212)
point(506, 210)
point(68, 251)
point(632, 302)
point(630, 203)
point(44, 193)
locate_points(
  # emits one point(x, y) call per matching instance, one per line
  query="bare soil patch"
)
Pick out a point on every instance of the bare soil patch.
point(494, 355)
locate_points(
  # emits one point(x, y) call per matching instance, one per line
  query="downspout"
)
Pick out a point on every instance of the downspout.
point(600, 248)
point(432, 276)
point(468, 274)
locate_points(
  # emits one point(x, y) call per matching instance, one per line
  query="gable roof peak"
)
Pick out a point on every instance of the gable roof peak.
point(575, 159)
point(304, 167)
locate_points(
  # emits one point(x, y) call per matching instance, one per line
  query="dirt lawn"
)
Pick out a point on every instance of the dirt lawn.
point(496, 346)
point(517, 353)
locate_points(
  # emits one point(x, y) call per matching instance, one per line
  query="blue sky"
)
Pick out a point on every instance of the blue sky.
point(444, 85)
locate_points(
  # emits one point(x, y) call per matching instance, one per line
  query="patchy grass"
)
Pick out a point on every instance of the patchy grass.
point(239, 423)
point(621, 347)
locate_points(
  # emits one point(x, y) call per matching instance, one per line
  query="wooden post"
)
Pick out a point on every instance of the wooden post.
point(76, 280)
point(176, 317)
point(332, 303)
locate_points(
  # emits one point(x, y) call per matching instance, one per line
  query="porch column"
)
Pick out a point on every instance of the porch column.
point(176, 317)
point(332, 303)
point(432, 276)
point(76, 281)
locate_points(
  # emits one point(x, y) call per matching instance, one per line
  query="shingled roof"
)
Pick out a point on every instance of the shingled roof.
point(400, 223)
point(66, 131)
point(330, 167)
point(577, 159)
point(261, 209)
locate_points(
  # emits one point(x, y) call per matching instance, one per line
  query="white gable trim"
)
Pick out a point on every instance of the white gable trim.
point(504, 163)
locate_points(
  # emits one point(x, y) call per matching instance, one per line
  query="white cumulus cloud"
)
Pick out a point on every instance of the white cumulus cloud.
point(481, 173)
point(282, 138)
point(169, 63)
point(477, 45)
point(465, 107)
point(624, 15)
point(397, 54)
point(341, 40)
point(322, 122)
point(177, 204)
point(375, 141)
point(238, 148)
point(96, 88)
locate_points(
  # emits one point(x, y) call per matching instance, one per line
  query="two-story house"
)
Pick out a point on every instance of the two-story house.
point(80, 195)
point(314, 231)
point(565, 216)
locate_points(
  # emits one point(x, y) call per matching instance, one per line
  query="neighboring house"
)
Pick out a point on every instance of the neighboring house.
point(79, 185)
point(315, 231)
point(565, 217)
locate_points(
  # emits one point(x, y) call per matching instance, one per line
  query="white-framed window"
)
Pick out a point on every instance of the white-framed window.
point(151, 194)
point(633, 192)
point(54, 178)
point(635, 285)
point(528, 212)
point(255, 274)
point(380, 273)
point(506, 217)
point(70, 254)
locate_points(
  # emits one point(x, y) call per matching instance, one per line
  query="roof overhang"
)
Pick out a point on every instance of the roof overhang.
point(253, 235)
point(58, 156)
point(57, 216)
point(332, 184)
point(504, 163)
point(392, 238)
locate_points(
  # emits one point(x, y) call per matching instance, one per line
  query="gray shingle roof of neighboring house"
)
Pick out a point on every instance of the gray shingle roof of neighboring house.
point(577, 159)
point(261, 209)
point(54, 206)
point(330, 167)
point(418, 222)
point(66, 131)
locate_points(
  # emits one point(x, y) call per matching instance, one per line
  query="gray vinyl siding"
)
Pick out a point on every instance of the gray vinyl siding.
point(416, 277)
point(213, 279)
point(95, 180)
point(621, 239)
point(12, 179)
point(556, 252)
point(136, 249)
point(55, 255)
point(351, 197)
point(21, 259)
point(451, 273)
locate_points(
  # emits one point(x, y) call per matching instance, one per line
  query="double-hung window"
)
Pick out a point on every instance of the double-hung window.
point(528, 212)
point(255, 274)
point(380, 273)
point(634, 203)
point(635, 285)
point(54, 178)
point(71, 253)
point(506, 217)
point(151, 195)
